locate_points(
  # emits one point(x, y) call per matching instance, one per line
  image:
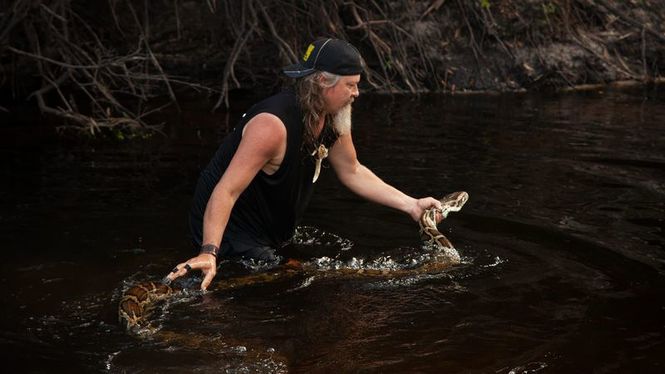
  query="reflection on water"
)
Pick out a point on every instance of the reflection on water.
point(562, 246)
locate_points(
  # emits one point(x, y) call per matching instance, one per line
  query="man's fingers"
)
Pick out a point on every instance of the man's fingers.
point(196, 263)
point(435, 203)
point(428, 203)
point(208, 278)
point(178, 271)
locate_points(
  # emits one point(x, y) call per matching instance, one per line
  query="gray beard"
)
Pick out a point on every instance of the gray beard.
point(342, 120)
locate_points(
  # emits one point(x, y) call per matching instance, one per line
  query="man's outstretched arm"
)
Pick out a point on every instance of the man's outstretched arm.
point(263, 142)
point(366, 184)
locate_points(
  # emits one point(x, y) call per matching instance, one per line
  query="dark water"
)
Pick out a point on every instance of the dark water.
point(562, 243)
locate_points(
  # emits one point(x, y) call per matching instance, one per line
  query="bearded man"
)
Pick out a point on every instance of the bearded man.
point(251, 196)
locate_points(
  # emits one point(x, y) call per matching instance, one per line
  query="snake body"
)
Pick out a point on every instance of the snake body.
point(430, 234)
point(138, 302)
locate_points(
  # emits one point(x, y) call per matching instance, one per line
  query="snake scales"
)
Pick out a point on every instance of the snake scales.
point(139, 301)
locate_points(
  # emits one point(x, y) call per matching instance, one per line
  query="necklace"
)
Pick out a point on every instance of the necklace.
point(320, 153)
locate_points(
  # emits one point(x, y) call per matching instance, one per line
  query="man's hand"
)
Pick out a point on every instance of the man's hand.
point(205, 262)
point(422, 204)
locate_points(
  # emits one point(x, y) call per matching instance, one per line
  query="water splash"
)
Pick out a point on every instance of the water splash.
point(260, 265)
point(406, 260)
point(304, 284)
point(309, 235)
point(531, 367)
point(497, 261)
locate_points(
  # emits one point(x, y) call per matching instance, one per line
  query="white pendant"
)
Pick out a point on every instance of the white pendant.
point(319, 153)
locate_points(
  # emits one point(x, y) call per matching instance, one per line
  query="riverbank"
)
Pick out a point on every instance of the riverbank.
point(98, 66)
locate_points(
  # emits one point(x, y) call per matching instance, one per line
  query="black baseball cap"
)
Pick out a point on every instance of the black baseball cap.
point(332, 55)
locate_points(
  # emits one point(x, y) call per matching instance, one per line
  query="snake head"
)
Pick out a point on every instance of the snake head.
point(453, 202)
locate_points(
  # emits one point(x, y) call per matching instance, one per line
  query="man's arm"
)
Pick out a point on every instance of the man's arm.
point(366, 184)
point(263, 143)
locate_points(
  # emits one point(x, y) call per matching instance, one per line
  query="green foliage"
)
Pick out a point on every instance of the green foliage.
point(485, 4)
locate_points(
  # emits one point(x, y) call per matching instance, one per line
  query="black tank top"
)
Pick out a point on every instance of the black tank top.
point(269, 209)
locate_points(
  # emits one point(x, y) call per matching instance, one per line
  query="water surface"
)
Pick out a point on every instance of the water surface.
point(562, 244)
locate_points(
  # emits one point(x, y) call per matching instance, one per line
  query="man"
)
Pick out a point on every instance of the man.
point(253, 192)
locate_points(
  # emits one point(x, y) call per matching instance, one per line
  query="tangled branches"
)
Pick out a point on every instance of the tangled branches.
point(76, 66)
point(565, 43)
point(99, 64)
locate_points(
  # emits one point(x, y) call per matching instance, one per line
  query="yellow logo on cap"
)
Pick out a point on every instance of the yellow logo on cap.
point(308, 52)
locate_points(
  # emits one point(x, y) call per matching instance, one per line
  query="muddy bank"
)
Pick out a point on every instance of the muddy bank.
point(97, 65)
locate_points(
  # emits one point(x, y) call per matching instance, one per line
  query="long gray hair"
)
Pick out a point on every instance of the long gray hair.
point(309, 91)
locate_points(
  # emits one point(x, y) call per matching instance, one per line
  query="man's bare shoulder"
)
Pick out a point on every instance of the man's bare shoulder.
point(265, 125)
point(264, 136)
